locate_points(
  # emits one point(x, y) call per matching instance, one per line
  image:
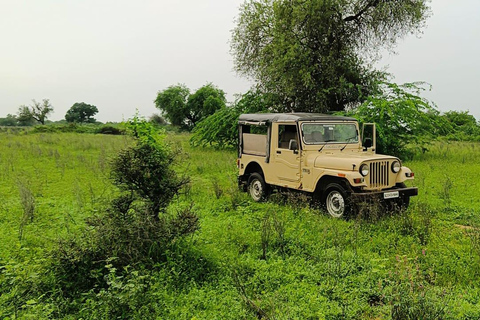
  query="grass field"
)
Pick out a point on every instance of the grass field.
point(276, 260)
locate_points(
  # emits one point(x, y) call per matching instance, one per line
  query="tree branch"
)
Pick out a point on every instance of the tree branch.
point(369, 5)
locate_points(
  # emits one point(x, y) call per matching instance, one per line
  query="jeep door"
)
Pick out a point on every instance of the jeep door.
point(286, 162)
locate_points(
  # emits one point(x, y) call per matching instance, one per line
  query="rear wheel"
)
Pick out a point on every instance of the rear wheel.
point(257, 187)
point(335, 200)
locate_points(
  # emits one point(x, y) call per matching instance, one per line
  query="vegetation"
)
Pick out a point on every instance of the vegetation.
point(81, 112)
point(282, 259)
point(220, 129)
point(404, 119)
point(406, 122)
point(184, 109)
point(37, 111)
point(316, 55)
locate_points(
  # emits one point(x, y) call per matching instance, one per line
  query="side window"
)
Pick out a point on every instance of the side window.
point(285, 134)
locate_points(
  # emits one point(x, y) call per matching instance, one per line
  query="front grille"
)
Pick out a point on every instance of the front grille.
point(379, 174)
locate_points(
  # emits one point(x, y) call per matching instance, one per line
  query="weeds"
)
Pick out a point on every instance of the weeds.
point(410, 296)
point(217, 189)
point(28, 204)
point(291, 262)
point(445, 192)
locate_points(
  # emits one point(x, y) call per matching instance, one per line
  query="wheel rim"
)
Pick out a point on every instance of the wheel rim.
point(335, 204)
point(256, 190)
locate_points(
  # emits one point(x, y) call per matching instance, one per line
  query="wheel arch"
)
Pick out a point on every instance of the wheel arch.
point(325, 180)
point(253, 167)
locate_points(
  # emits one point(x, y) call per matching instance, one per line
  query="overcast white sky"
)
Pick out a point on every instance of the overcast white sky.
point(118, 54)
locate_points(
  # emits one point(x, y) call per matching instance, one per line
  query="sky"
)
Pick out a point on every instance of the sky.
point(117, 54)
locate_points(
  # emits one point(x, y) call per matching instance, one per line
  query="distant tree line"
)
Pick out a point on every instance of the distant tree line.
point(38, 113)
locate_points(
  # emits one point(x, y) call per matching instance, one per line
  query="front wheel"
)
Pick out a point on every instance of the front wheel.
point(335, 200)
point(257, 187)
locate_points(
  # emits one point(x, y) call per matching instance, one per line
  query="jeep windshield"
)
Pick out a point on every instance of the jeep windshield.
point(322, 133)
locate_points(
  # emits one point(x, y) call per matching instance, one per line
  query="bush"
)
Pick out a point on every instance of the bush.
point(110, 130)
point(403, 118)
point(135, 230)
point(221, 128)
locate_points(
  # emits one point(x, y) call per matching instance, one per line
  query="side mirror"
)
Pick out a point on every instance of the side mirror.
point(292, 145)
point(368, 143)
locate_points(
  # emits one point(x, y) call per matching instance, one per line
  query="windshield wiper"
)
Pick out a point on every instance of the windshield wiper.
point(326, 142)
point(348, 141)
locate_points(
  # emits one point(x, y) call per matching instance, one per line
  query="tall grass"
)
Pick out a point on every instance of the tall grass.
point(281, 259)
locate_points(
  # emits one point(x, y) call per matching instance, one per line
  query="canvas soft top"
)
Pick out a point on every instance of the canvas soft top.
point(263, 118)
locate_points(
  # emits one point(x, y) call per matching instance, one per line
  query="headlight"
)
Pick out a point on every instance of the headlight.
point(396, 166)
point(364, 169)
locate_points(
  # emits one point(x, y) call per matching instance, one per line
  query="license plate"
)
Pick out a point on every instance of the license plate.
point(390, 195)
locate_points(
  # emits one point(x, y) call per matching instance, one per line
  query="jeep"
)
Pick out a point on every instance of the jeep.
point(325, 156)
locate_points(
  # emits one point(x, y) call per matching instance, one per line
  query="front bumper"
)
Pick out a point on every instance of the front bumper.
point(402, 193)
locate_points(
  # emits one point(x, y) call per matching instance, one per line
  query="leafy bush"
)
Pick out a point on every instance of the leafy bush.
point(135, 229)
point(110, 130)
point(403, 118)
point(221, 129)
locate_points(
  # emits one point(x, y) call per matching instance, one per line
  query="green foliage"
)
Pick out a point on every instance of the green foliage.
point(463, 126)
point(280, 259)
point(135, 229)
point(316, 55)
point(81, 112)
point(204, 102)
point(37, 111)
point(9, 121)
point(403, 118)
point(173, 103)
point(24, 116)
point(184, 109)
point(157, 119)
point(221, 128)
point(145, 169)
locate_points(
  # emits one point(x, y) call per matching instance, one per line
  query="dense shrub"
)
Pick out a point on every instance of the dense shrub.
point(135, 230)
point(221, 129)
point(107, 129)
point(403, 118)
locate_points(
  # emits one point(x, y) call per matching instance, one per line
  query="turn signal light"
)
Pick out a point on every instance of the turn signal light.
point(358, 180)
point(409, 174)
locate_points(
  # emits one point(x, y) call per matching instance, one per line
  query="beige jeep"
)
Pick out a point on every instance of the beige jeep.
point(319, 154)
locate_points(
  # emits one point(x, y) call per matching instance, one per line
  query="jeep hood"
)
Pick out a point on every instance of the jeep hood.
point(346, 161)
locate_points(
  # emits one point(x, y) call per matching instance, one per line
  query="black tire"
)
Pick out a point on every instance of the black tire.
point(257, 188)
point(335, 201)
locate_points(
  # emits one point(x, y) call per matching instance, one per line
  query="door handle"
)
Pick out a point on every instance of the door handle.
point(279, 152)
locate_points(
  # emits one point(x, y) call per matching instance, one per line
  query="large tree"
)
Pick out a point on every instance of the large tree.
point(204, 102)
point(184, 109)
point(81, 112)
point(173, 103)
point(317, 54)
point(36, 111)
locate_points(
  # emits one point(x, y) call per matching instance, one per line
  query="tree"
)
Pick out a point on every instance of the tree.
point(403, 118)
point(221, 129)
point(38, 111)
point(173, 103)
point(9, 121)
point(204, 102)
point(24, 116)
point(81, 112)
point(184, 109)
point(317, 54)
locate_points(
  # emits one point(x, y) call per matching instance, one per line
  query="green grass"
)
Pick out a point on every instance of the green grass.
point(278, 260)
